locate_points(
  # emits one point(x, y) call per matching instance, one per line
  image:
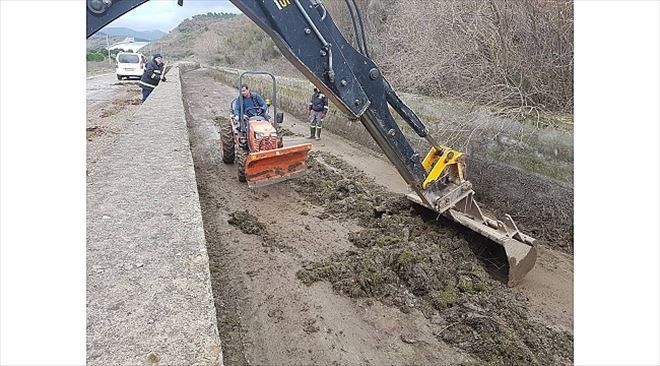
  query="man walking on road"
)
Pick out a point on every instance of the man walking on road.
point(318, 109)
point(153, 74)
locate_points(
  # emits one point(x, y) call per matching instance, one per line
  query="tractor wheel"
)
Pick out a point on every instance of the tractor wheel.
point(241, 156)
point(227, 138)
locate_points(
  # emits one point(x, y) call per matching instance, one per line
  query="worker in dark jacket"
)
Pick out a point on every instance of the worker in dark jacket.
point(318, 109)
point(153, 74)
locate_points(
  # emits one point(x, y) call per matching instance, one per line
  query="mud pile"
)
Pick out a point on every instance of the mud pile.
point(405, 258)
point(93, 132)
point(248, 224)
point(120, 104)
point(286, 132)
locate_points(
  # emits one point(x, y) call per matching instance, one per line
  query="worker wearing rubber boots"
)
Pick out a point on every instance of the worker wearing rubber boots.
point(318, 110)
point(153, 74)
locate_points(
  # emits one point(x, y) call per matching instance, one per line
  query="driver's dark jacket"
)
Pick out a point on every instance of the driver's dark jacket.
point(250, 104)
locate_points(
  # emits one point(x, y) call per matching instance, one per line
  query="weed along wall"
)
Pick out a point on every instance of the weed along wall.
point(523, 168)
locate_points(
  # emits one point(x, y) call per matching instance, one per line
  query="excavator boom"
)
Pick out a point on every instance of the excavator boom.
point(308, 37)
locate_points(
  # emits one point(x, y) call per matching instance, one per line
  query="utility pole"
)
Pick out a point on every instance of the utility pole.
point(107, 42)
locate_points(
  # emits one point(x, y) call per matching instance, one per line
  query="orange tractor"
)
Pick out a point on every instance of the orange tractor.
point(253, 140)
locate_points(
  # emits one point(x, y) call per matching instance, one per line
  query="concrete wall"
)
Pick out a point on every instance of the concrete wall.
point(149, 299)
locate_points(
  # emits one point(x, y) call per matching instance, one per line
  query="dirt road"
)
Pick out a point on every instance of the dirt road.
point(95, 68)
point(337, 268)
point(110, 104)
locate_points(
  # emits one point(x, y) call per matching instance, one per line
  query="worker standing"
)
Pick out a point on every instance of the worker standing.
point(153, 74)
point(318, 110)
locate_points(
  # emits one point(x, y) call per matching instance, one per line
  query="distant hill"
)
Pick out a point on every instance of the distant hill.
point(98, 41)
point(223, 39)
point(202, 35)
point(145, 36)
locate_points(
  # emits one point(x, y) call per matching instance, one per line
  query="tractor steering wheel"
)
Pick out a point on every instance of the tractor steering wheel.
point(257, 111)
point(253, 108)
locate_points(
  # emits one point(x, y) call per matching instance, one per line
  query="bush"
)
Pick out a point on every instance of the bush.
point(250, 44)
point(516, 54)
point(95, 56)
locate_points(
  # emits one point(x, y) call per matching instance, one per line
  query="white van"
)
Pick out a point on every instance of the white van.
point(130, 65)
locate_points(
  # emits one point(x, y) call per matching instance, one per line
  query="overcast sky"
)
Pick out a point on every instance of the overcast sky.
point(166, 14)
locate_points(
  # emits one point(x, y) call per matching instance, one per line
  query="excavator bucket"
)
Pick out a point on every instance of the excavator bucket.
point(518, 248)
point(519, 252)
point(455, 200)
point(272, 166)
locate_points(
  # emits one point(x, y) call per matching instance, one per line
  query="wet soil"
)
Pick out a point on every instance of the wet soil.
point(120, 104)
point(248, 224)
point(405, 258)
point(93, 132)
point(332, 268)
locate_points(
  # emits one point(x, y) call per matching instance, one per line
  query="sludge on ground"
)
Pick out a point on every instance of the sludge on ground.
point(248, 223)
point(406, 260)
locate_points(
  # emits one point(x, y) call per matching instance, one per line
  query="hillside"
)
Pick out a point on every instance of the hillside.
point(224, 40)
point(99, 42)
point(515, 57)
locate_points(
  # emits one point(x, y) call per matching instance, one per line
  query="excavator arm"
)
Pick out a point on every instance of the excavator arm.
point(308, 37)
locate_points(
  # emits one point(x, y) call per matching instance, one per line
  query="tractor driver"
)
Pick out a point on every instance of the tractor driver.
point(253, 104)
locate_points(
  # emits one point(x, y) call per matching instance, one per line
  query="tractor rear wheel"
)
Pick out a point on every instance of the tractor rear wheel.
point(227, 138)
